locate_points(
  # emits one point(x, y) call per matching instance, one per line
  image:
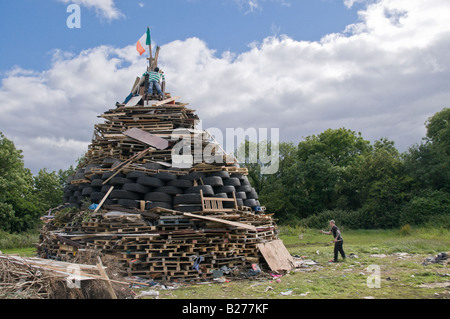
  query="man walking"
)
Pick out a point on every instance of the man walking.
point(338, 240)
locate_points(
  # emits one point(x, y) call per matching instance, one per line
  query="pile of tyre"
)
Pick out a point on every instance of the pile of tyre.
point(164, 189)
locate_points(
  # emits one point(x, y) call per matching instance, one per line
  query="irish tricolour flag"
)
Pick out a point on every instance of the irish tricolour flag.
point(143, 42)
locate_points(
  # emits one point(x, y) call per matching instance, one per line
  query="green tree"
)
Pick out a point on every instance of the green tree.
point(48, 188)
point(18, 205)
point(438, 130)
point(340, 146)
point(276, 194)
point(63, 175)
point(429, 163)
point(271, 188)
point(367, 185)
point(326, 165)
point(383, 185)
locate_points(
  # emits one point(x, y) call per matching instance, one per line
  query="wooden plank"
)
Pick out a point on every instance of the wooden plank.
point(103, 199)
point(166, 101)
point(147, 138)
point(105, 115)
point(223, 221)
point(69, 242)
point(106, 278)
point(80, 181)
point(276, 255)
point(127, 163)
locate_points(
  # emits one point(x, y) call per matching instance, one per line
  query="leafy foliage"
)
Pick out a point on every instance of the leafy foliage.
point(429, 162)
point(339, 175)
point(17, 209)
point(24, 197)
point(49, 189)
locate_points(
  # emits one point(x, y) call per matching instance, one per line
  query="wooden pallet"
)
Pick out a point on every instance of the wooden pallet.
point(230, 169)
point(215, 204)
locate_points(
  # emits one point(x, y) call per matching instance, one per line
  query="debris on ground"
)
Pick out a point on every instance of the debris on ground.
point(302, 262)
point(443, 294)
point(435, 285)
point(402, 255)
point(286, 293)
point(441, 258)
point(149, 293)
point(304, 294)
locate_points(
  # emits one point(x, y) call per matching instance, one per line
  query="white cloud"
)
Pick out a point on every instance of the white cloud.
point(250, 6)
point(350, 3)
point(383, 76)
point(51, 114)
point(103, 8)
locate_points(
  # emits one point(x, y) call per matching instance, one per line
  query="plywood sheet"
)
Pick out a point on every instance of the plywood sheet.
point(147, 138)
point(276, 255)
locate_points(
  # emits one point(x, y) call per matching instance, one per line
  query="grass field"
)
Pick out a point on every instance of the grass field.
point(400, 275)
point(22, 244)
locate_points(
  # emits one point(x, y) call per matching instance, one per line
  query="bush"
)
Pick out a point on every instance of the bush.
point(349, 219)
point(405, 230)
point(15, 240)
point(429, 206)
point(378, 218)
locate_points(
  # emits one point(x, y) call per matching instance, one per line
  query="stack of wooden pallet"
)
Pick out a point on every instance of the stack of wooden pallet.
point(159, 120)
point(160, 221)
point(160, 243)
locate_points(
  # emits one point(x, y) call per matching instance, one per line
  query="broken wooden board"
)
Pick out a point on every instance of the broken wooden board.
point(147, 138)
point(223, 221)
point(166, 101)
point(276, 256)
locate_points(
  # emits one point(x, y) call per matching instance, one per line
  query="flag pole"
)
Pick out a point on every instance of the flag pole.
point(150, 59)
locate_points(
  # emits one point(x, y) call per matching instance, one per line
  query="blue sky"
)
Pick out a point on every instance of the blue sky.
point(379, 67)
point(226, 25)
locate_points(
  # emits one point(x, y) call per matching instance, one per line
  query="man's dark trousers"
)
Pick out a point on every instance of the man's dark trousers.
point(338, 249)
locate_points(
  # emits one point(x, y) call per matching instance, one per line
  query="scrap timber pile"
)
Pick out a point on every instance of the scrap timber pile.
point(160, 243)
point(159, 120)
point(160, 221)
